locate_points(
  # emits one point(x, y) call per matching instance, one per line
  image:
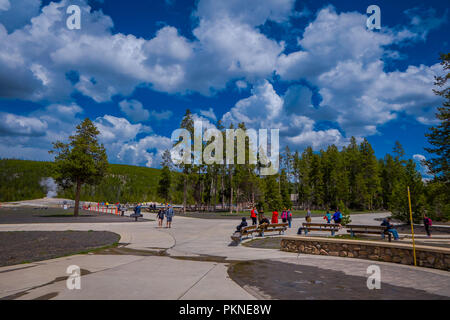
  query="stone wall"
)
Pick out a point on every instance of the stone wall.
point(432, 257)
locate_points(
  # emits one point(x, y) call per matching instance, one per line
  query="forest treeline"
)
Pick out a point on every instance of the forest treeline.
point(351, 178)
point(21, 180)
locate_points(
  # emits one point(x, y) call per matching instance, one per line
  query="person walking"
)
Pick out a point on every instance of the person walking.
point(274, 217)
point(427, 223)
point(254, 216)
point(160, 217)
point(289, 217)
point(169, 217)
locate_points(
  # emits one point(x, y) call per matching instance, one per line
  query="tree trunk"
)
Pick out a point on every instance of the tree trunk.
point(222, 194)
point(184, 194)
point(77, 199)
point(214, 186)
point(231, 192)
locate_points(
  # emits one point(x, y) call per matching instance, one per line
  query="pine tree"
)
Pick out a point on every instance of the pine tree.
point(81, 161)
point(438, 136)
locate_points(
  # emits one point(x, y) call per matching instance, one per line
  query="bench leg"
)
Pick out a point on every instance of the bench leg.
point(389, 237)
point(306, 232)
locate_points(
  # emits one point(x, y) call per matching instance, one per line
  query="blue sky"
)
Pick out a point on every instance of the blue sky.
point(309, 68)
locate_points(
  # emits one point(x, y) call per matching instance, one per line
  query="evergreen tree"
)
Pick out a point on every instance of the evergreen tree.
point(81, 161)
point(438, 136)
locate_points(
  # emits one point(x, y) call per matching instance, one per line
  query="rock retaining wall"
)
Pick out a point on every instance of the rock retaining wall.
point(432, 257)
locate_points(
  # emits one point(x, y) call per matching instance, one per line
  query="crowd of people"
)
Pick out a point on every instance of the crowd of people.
point(286, 217)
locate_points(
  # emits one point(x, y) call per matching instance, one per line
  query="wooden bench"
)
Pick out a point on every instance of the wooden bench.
point(136, 216)
point(365, 229)
point(330, 227)
point(246, 231)
point(276, 227)
point(261, 230)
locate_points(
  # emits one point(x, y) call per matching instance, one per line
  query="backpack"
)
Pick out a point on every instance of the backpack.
point(429, 222)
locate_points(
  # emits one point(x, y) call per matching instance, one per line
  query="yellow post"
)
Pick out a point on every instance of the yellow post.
point(412, 228)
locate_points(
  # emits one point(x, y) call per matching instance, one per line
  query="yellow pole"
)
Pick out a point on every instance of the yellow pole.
point(412, 228)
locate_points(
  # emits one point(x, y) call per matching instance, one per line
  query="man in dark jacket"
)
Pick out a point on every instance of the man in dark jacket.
point(389, 228)
point(243, 224)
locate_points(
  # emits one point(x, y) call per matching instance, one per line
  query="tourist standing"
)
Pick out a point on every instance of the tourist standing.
point(274, 216)
point(254, 216)
point(308, 216)
point(284, 216)
point(169, 217)
point(160, 217)
point(427, 223)
point(289, 217)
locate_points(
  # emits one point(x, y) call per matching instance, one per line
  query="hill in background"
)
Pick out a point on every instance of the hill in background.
point(23, 180)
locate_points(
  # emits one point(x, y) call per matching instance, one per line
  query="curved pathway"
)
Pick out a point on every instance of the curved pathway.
point(189, 261)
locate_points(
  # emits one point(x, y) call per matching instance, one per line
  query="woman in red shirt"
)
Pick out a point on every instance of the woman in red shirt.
point(275, 216)
point(254, 215)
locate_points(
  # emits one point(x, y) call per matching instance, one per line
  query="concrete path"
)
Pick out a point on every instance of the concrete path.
point(198, 253)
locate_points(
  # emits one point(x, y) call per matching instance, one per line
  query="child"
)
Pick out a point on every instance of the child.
point(289, 217)
point(328, 217)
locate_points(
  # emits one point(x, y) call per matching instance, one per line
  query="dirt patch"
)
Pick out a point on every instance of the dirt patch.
point(287, 281)
point(28, 246)
point(56, 215)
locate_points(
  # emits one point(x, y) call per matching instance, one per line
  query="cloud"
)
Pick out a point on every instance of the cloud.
point(344, 61)
point(15, 125)
point(16, 14)
point(265, 109)
point(227, 46)
point(161, 115)
point(134, 110)
point(425, 20)
point(4, 5)
point(209, 114)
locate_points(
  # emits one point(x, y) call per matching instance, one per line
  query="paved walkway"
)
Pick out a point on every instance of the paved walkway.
point(194, 268)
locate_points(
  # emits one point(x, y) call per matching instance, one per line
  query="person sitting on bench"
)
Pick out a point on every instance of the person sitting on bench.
point(243, 224)
point(389, 228)
point(264, 220)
